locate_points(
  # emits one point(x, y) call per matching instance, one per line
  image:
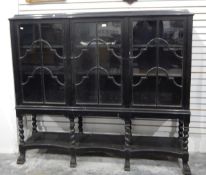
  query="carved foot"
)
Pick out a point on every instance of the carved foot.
point(73, 162)
point(127, 165)
point(186, 169)
point(21, 159)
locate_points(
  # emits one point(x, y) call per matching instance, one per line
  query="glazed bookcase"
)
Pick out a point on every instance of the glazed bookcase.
point(125, 65)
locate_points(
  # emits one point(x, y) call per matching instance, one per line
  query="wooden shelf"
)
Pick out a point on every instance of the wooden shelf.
point(156, 144)
point(111, 143)
point(171, 72)
point(98, 45)
point(48, 139)
point(54, 46)
point(111, 71)
point(171, 46)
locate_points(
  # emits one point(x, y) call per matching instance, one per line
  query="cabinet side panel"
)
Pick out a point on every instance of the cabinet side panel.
point(14, 46)
point(187, 63)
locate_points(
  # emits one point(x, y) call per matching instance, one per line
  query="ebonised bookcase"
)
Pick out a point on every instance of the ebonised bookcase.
point(124, 65)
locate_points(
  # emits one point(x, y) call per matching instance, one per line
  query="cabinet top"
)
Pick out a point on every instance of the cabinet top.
point(105, 14)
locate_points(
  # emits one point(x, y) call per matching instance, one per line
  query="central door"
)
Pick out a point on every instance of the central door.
point(97, 61)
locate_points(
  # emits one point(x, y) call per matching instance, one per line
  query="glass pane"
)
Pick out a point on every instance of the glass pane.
point(85, 62)
point(109, 52)
point(30, 67)
point(86, 92)
point(171, 61)
point(53, 34)
point(84, 34)
point(110, 32)
point(143, 62)
point(53, 44)
point(54, 87)
point(144, 90)
point(169, 77)
point(32, 58)
point(28, 33)
point(29, 44)
point(53, 62)
point(143, 31)
point(144, 77)
point(30, 63)
point(144, 67)
point(172, 31)
point(169, 90)
point(53, 66)
point(32, 87)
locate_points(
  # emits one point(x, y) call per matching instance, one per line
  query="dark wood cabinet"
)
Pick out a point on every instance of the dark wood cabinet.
point(126, 65)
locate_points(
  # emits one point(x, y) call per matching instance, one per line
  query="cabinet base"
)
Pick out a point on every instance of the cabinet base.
point(112, 145)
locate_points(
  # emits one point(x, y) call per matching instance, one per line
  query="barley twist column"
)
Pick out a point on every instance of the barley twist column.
point(21, 158)
point(127, 143)
point(180, 132)
point(80, 125)
point(186, 168)
point(34, 124)
point(73, 143)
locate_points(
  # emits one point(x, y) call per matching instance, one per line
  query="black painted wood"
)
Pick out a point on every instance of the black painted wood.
point(127, 142)
point(103, 143)
point(122, 64)
point(34, 123)
point(21, 157)
point(80, 124)
point(73, 163)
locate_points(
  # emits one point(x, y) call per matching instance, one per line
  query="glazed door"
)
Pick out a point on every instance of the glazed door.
point(157, 54)
point(41, 62)
point(97, 62)
point(144, 62)
point(170, 62)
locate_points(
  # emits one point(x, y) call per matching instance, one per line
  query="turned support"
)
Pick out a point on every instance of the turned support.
point(180, 131)
point(80, 125)
point(73, 163)
point(21, 158)
point(127, 143)
point(34, 124)
point(186, 168)
point(130, 124)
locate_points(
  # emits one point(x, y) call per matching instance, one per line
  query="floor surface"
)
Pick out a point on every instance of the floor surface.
point(38, 163)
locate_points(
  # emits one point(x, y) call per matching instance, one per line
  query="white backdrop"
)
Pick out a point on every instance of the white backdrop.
point(8, 135)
